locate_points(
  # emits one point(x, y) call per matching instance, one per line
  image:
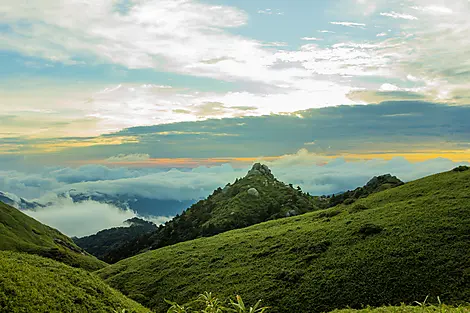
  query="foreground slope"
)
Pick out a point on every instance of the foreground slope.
point(398, 245)
point(253, 199)
point(19, 232)
point(411, 309)
point(29, 283)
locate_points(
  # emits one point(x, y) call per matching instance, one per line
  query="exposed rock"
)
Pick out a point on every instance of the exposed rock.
point(253, 192)
point(260, 169)
point(384, 179)
point(226, 188)
point(291, 213)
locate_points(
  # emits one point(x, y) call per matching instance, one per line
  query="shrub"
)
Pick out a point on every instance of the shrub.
point(329, 214)
point(461, 169)
point(358, 208)
point(370, 229)
point(349, 201)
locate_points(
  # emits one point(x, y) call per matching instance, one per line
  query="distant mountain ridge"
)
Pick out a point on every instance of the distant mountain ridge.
point(18, 202)
point(111, 239)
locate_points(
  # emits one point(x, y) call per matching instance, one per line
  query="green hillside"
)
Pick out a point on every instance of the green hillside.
point(395, 246)
point(29, 283)
point(410, 309)
point(19, 232)
point(253, 199)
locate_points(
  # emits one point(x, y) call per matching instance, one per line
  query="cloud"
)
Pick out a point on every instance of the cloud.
point(270, 12)
point(315, 173)
point(434, 9)
point(348, 24)
point(128, 158)
point(311, 39)
point(335, 130)
point(318, 175)
point(80, 219)
point(396, 15)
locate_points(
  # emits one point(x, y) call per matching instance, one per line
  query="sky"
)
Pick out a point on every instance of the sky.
point(162, 96)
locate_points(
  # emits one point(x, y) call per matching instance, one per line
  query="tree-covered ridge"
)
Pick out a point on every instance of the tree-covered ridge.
point(395, 246)
point(111, 239)
point(19, 232)
point(29, 283)
point(253, 199)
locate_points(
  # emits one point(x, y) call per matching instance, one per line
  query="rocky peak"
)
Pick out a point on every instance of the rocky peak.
point(384, 179)
point(260, 169)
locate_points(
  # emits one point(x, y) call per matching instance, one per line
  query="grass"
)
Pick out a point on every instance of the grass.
point(21, 233)
point(410, 309)
point(29, 283)
point(399, 245)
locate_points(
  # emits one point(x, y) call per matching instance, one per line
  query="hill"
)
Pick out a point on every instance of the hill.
point(376, 184)
point(30, 283)
point(253, 199)
point(19, 232)
point(395, 246)
point(111, 239)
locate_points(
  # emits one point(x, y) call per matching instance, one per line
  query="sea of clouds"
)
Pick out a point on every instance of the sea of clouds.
point(315, 174)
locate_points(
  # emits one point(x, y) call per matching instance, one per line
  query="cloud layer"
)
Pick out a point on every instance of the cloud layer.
point(80, 219)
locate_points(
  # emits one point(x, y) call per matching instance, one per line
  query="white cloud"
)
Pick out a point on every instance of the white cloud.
point(349, 24)
point(80, 219)
point(388, 87)
point(434, 9)
point(320, 175)
point(311, 39)
point(396, 15)
point(381, 35)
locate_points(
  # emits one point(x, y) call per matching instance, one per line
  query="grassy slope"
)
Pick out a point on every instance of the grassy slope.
point(410, 309)
point(19, 232)
point(224, 210)
point(29, 283)
point(412, 241)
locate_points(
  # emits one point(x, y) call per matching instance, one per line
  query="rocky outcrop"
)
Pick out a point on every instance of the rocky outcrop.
point(253, 192)
point(260, 169)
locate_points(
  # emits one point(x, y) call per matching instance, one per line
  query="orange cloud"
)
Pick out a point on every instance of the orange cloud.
point(418, 156)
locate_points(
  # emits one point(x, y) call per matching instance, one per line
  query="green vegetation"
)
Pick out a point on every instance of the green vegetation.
point(256, 198)
point(392, 247)
point(19, 232)
point(207, 303)
point(410, 309)
point(111, 239)
point(29, 283)
point(376, 184)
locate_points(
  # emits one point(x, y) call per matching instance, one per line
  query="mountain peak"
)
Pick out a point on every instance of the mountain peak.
point(260, 169)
